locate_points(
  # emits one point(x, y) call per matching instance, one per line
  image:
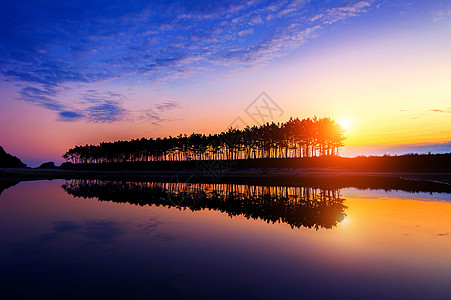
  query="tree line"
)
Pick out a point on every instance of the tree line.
point(295, 138)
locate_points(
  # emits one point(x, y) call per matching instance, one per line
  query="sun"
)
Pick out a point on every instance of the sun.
point(345, 124)
point(345, 221)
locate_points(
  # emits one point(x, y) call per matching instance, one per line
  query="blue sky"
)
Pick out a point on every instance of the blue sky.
point(97, 66)
point(50, 46)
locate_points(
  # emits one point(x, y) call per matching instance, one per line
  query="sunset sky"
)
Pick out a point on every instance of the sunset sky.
point(82, 72)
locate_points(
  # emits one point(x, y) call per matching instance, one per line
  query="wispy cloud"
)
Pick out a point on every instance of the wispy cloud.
point(146, 41)
point(442, 14)
point(168, 105)
point(69, 116)
point(41, 96)
point(446, 111)
point(155, 114)
point(428, 112)
point(106, 111)
point(335, 14)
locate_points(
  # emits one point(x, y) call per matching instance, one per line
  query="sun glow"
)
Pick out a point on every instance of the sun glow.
point(345, 221)
point(345, 124)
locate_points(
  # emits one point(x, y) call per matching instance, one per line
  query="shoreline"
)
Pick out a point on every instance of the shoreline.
point(320, 177)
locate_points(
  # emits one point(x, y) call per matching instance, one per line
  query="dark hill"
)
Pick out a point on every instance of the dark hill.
point(9, 161)
point(48, 165)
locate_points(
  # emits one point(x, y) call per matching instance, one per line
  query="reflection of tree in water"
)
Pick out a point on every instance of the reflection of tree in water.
point(296, 206)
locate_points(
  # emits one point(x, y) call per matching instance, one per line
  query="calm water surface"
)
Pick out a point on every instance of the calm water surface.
point(94, 239)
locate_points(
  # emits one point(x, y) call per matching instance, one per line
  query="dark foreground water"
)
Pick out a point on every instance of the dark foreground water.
point(95, 239)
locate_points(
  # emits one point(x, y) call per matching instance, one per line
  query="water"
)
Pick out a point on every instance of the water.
point(97, 239)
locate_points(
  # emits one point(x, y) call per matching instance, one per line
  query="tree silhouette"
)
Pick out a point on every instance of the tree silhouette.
point(295, 138)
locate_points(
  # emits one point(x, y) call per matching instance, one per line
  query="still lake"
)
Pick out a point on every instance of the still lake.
point(82, 239)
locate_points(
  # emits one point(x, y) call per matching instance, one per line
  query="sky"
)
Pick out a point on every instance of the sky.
point(83, 72)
